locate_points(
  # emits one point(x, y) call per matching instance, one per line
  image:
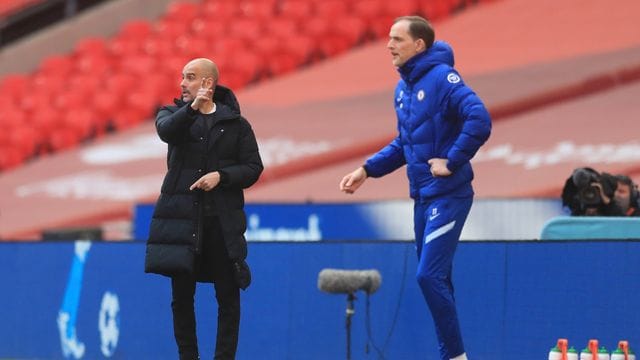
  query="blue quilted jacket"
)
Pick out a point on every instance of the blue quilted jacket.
point(438, 117)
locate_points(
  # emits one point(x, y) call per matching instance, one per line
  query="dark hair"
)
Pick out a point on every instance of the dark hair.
point(633, 188)
point(419, 28)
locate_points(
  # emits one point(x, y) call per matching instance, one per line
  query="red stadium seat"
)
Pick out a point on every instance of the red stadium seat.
point(125, 119)
point(379, 27)
point(61, 65)
point(368, 9)
point(80, 121)
point(328, 9)
point(91, 46)
point(247, 29)
point(258, 10)
point(24, 139)
point(45, 121)
point(37, 99)
point(223, 10)
point(10, 157)
point(400, 8)
point(351, 28)
point(209, 27)
point(95, 65)
point(281, 27)
point(182, 11)
point(62, 138)
point(14, 85)
point(140, 65)
point(435, 9)
point(137, 30)
point(158, 47)
point(298, 10)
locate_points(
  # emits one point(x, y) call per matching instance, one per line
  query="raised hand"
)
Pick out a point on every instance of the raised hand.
point(204, 95)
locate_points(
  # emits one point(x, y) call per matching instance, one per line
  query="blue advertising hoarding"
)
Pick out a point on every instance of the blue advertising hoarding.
point(79, 300)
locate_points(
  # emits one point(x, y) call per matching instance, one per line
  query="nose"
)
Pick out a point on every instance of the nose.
point(389, 45)
point(183, 83)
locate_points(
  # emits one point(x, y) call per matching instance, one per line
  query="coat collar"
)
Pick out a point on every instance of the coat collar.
point(439, 53)
point(225, 99)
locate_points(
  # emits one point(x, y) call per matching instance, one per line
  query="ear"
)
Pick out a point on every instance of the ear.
point(420, 45)
point(209, 83)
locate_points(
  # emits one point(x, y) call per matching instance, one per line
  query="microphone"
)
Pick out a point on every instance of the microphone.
point(336, 281)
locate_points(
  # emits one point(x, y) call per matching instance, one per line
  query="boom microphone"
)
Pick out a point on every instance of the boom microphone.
point(336, 281)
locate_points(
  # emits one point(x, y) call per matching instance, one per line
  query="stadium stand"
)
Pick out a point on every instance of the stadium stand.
point(141, 46)
point(306, 157)
point(9, 7)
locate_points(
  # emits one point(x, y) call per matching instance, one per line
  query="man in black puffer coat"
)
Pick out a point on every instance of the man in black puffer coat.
point(197, 230)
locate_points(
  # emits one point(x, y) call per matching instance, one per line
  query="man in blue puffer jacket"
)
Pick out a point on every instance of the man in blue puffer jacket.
point(441, 125)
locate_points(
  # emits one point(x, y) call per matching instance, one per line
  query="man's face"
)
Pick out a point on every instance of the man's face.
point(401, 45)
point(623, 195)
point(192, 81)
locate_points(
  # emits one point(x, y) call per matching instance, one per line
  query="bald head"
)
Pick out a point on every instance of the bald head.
point(204, 68)
point(198, 73)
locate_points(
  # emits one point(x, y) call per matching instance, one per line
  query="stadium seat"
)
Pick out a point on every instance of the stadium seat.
point(400, 8)
point(79, 119)
point(125, 119)
point(182, 11)
point(94, 46)
point(59, 65)
point(137, 30)
point(258, 10)
point(10, 157)
point(215, 9)
point(297, 10)
point(281, 27)
point(14, 85)
point(62, 138)
point(208, 27)
point(246, 29)
point(329, 9)
point(368, 9)
point(435, 9)
point(24, 138)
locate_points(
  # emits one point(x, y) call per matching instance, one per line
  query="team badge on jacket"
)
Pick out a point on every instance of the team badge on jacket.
point(453, 78)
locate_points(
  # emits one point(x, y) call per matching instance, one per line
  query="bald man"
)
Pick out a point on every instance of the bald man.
point(198, 225)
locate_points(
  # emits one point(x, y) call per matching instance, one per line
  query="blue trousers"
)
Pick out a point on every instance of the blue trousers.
point(437, 225)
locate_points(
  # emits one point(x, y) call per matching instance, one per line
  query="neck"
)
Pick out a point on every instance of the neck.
point(207, 107)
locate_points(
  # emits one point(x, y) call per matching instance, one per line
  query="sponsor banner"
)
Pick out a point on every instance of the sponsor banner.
point(314, 222)
point(489, 219)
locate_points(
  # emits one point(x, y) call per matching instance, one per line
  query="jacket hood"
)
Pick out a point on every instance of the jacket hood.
point(439, 53)
point(221, 95)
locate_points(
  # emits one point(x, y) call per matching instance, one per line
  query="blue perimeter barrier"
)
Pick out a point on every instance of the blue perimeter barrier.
point(515, 300)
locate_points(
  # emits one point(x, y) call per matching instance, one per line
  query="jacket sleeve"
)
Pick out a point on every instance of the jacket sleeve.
point(173, 127)
point(465, 106)
point(385, 161)
point(249, 166)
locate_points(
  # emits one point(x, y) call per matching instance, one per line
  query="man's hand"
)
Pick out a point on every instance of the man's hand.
point(204, 95)
point(605, 199)
point(352, 181)
point(207, 181)
point(439, 167)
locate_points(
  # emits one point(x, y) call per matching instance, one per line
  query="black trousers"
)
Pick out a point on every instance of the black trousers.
point(214, 259)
